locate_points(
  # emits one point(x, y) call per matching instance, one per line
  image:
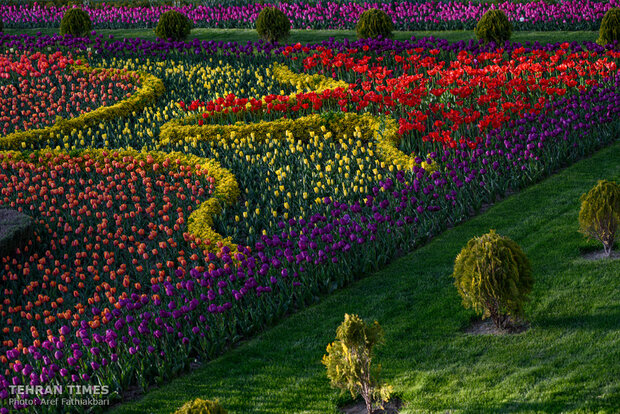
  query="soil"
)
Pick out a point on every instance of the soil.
point(600, 255)
point(487, 327)
point(392, 407)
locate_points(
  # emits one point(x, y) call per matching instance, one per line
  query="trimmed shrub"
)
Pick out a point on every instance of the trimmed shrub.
point(348, 361)
point(75, 22)
point(374, 23)
point(610, 27)
point(599, 217)
point(200, 406)
point(173, 25)
point(272, 24)
point(494, 27)
point(494, 277)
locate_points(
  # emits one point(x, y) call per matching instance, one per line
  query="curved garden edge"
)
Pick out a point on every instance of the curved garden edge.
point(151, 88)
point(421, 314)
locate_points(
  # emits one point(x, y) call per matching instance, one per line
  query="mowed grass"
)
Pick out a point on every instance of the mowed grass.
point(317, 36)
point(568, 361)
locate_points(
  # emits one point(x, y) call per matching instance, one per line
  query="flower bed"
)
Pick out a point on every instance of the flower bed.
point(259, 186)
point(408, 15)
point(36, 89)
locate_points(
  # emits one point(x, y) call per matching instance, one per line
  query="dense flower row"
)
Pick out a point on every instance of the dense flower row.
point(36, 89)
point(317, 204)
point(150, 88)
point(316, 254)
point(408, 15)
point(97, 45)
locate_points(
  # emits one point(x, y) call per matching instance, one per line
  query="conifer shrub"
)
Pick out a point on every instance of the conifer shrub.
point(374, 23)
point(200, 406)
point(599, 217)
point(75, 22)
point(610, 27)
point(348, 361)
point(272, 24)
point(494, 26)
point(494, 277)
point(173, 25)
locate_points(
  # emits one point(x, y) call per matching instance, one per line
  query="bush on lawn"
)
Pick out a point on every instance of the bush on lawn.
point(173, 25)
point(272, 24)
point(610, 27)
point(599, 217)
point(200, 406)
point(75, 22)
point(348, 361)
point(494, 27)
point(494, 277)
point(374, 23)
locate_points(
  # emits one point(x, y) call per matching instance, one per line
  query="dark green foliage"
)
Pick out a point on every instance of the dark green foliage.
point(75, 22)
point(272, 24)
point(173, 25)
point(374, 23)
point(1, 26)
point(610, 27)
point(349, 358)
point(494, 277)
point(599, 217)
point(494, 27)
point(200, 406)
point(16, 229)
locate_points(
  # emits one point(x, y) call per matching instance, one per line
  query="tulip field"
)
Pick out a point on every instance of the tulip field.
point(188, 195)
point(310, 14)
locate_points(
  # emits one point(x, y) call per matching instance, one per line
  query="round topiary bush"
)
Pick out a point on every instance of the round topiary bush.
point(610, 27)
point(200, 406)
point(494, 277)
point(599, 217)
point(374, 23)
point(494, 27)
point(272, 24)
point(75, 22)
point(173, 25)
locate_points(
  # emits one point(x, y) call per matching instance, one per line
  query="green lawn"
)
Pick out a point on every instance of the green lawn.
point(568, 361)
point(314, 36)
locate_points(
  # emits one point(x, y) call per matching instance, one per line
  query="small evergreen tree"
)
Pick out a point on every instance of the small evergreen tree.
point(173, 25)
point(200, 406)
point(610, 27)
point(494, 277)
point(374, 23)
point(494, 27)
point(348, 361)
point(599, 217)
point(75, 22)
point(272, 24)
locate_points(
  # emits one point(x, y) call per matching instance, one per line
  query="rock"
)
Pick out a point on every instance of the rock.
point(15, 230)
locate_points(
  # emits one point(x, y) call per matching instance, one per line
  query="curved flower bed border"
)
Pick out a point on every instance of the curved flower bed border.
point(201, 220)
point(233, 315)
point(384, 130)
point(151, 88)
